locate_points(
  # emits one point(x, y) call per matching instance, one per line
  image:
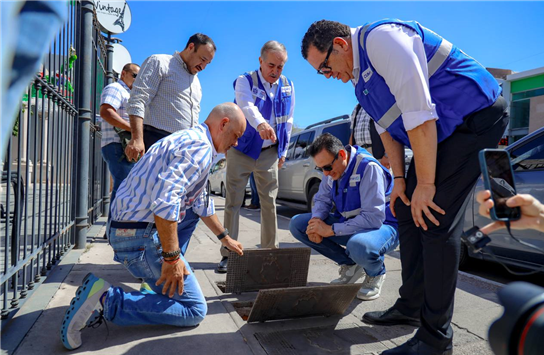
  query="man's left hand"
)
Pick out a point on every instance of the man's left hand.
point(317, 226)
point(280, 162)
point(422, 199)
point(233, 245)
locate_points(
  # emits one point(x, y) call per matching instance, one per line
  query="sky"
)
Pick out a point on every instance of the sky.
point(508, 35)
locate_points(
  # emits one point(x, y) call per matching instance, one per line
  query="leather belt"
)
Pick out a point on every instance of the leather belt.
point(130, 225)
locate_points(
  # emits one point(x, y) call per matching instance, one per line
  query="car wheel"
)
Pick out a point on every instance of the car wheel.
point(311, 193)
point(223, 190)
point(464, 258)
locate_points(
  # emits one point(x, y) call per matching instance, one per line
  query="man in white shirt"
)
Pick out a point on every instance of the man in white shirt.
point(267, 99)
point(427, 94)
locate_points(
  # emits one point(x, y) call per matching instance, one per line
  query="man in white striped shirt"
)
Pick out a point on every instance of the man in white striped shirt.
point(168, 181)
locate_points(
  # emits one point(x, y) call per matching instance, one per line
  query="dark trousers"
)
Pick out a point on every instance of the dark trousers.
point(430, 258)
point(153, 135)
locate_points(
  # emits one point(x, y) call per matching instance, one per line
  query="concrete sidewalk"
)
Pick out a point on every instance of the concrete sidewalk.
point(223, 331)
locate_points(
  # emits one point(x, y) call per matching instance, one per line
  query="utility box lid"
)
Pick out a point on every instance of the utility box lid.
point(297, 302)
point(267, 268)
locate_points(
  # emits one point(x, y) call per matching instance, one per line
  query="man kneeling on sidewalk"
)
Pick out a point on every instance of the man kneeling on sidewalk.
point(167, 181)
point(359, 187)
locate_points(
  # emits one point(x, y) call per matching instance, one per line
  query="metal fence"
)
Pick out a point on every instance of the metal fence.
point(53, 182)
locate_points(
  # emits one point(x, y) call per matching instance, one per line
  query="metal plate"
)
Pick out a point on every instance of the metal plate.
point(299, 302)
point(344, 339)
point(267, 268)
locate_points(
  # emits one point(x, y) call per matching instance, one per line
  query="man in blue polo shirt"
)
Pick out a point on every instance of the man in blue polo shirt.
point(362, 222)
point(427, 94)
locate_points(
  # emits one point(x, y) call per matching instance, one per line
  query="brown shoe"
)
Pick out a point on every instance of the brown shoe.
point(253, 207)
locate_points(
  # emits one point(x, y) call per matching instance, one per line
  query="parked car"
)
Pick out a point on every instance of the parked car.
point(218, 177)
point(298, 179)
point(527, 158)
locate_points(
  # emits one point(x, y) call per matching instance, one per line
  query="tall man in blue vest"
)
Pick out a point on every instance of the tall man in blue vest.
point(427, 94)
point(267, 99)
point(359, 186)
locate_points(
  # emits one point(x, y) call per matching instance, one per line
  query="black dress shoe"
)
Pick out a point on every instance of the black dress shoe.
point(222, 266)
point(416, 346)
point(390, 317)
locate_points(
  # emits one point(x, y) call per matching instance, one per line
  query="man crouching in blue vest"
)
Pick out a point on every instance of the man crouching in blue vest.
point(359, 186)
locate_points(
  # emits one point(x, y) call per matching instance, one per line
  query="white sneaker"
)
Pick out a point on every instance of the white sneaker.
point(371, 288)
point(349, 274)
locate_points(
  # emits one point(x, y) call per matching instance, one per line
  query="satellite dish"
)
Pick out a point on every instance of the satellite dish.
point(121, 56)
point(113, 16)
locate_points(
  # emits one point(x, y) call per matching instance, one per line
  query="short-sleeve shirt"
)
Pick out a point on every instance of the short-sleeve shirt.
point(116, 95)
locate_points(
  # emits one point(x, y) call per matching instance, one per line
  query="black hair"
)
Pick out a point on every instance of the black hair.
point(199, 39)
point(320, 35)
point(325, 141)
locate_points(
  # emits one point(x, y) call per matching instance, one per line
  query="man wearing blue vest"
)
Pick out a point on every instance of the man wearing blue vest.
point(427, 94)
point(267, 99)
point(359, 186)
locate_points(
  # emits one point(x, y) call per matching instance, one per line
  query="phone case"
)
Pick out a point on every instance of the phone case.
point(486, 179)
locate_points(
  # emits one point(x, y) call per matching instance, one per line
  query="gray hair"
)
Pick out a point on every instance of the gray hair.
point(271, 46)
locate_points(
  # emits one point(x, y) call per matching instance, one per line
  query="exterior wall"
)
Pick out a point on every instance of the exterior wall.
point(536, 115)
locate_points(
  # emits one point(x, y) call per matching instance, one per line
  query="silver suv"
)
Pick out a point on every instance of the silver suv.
point(298, 179)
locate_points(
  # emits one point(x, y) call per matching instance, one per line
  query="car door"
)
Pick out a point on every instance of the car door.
point(300, 164)
point(216, 176)
point(285, 186)
point(528, 163)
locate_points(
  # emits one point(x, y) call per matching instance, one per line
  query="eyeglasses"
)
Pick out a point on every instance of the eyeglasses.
point(324, 64)
point(134, 75)
point(327, 167)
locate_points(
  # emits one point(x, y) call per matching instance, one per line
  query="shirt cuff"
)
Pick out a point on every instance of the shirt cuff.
point(338, 228)
point(412, 120)
point(165, 210)
point(134, 111)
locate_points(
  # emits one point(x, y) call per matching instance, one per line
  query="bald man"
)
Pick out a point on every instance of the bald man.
point(150, 203)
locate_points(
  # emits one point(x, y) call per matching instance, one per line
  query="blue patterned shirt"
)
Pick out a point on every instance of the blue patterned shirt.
point(171, 177)
point(116, 95)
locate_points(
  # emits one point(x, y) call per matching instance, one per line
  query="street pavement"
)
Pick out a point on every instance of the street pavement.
point(223, 330)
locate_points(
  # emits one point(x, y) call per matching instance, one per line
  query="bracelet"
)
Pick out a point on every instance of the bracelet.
point(170, 254)
point(398, 177)
point(172, 262)
point(223, 235)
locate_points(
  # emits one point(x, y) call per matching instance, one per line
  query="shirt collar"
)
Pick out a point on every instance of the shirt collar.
point(355, 47)
point(352, 153)
point(209, 136)
point(123, 84)
point(264, 81)
point(177, 55)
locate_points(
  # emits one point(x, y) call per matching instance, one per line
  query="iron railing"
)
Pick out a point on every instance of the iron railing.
point(42, 184)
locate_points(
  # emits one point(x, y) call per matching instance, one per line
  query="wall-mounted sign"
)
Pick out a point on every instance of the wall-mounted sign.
point(113, 16)
point(121, 56)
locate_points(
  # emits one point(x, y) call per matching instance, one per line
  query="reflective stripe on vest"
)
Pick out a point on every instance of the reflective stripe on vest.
point(436, 62)
point(353, 213)
point(285, 118)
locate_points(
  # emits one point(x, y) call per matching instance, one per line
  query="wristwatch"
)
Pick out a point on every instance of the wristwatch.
point(223, 235)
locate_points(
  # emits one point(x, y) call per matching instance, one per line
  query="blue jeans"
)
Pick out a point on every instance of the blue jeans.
point(254, 194)
point(366, 248)
point(186, 229)
point(118, 165)
point(139, 250)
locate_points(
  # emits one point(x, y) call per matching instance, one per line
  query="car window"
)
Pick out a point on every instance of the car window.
point(340, 131)
point(291, 148)
point(302, 144)
point(529, 156)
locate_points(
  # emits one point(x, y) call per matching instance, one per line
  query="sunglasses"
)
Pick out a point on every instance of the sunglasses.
point(134, 75)
point(324, 64)
point(327, 167)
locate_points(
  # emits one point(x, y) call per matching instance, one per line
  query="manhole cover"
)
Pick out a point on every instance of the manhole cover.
point(299, 302)
point(345, 339)
point(267, 268)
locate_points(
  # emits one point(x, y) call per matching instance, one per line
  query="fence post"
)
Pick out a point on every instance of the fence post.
point(106, 172)
point(83, 125)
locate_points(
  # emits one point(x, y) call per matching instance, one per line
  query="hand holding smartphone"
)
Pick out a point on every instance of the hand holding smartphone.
point(498, 177)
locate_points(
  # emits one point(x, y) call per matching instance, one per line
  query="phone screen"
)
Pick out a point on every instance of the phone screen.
point(501, 183)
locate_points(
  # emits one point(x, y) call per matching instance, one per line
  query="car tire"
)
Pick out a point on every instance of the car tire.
point(464, 258)
point(223, 191)
point(310, 198)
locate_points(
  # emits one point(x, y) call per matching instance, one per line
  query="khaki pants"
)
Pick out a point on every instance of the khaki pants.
point(265, 171)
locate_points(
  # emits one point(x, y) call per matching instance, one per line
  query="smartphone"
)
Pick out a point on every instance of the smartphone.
point(498, 177)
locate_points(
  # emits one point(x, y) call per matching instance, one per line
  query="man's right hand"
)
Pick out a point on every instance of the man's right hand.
point(266, 132)
point(233, 245)
point(399, 188)
point(135, 150)
point(172, 277)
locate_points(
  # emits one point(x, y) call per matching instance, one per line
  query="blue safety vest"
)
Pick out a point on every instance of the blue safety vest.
point(345, 191)
point(458, 84)
point(251, 142)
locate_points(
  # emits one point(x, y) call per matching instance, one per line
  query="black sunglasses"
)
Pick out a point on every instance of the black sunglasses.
point(327, 167)
point(134, 75)
point(324, 64)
